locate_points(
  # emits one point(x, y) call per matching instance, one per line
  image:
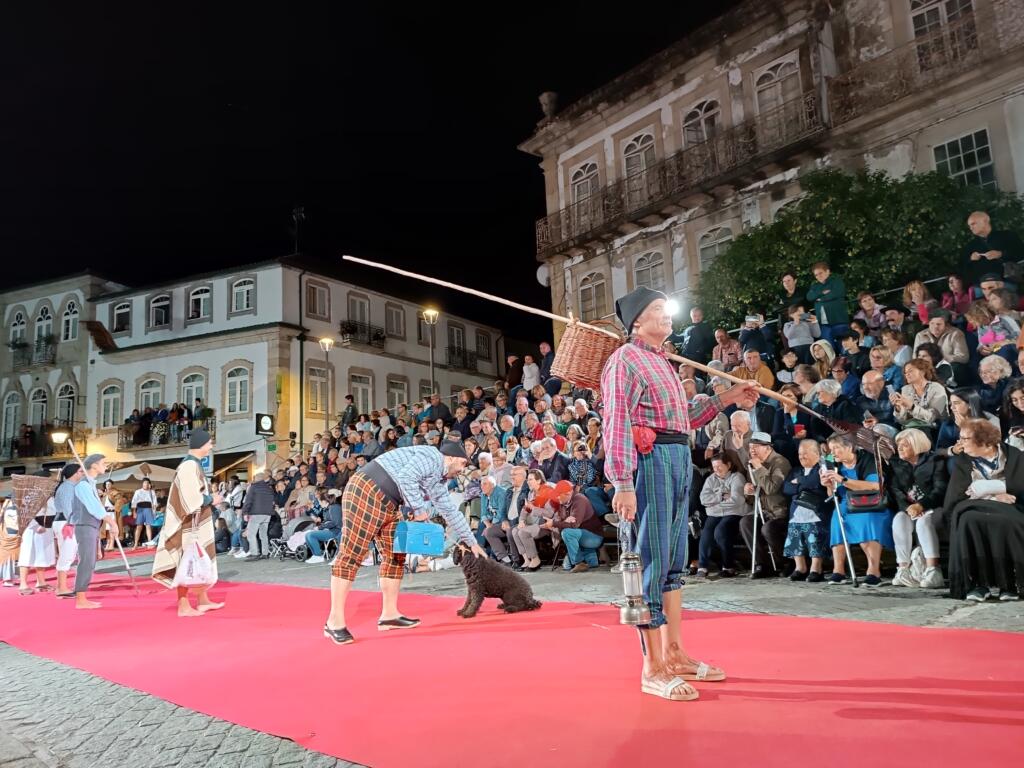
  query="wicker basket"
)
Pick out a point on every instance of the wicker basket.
point(582, 353)
point(31, 493)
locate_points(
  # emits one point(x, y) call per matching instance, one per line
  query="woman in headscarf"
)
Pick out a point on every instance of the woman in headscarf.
point(823, 354)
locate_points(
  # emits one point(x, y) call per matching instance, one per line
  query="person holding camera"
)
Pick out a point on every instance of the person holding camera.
point(801, 331)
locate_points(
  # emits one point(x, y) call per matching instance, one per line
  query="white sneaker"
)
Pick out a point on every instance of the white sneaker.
point(933, 578)
point(152, 543)
point(316, 559)
point(918, 565)
point(904, 579)
point(240, 555)
point(617, 568)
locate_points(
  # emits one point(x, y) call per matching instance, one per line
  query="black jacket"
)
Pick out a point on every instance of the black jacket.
point(556, 468)
point(259, 499)
point(807, 489)
point(332, 518)
point(698, 341)
point(545, 366)
point(783, 433)
point(924, 483)
point(841, 410)
point(514, 374)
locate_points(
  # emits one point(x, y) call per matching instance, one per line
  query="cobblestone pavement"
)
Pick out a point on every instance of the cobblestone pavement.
point(40, 695)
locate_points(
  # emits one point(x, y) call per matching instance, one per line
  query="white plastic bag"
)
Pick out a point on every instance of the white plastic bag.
point(195, 568)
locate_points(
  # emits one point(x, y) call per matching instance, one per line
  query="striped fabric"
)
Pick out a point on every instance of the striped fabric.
point(662, 503)
point(188, 506)
point(367, 516)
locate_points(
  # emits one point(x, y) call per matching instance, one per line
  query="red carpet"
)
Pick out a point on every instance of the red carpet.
point(557, 687)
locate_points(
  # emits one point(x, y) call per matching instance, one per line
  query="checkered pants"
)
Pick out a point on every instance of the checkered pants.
point(367, 516)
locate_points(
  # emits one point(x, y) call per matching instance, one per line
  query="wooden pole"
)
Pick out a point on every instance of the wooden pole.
point(562, 319)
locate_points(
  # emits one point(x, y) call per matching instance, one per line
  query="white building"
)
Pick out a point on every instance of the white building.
point(238, 339)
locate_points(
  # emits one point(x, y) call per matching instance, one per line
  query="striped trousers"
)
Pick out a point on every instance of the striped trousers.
point(663, 506)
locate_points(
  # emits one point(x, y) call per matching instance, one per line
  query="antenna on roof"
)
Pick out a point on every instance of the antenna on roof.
point(298, 216)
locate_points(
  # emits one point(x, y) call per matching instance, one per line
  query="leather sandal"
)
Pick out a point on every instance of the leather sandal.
point(705, 673)
point(673, 689)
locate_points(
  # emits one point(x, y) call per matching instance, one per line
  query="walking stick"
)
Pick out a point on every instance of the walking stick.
point(758, 513)
point(842, 531)
point(117, 541)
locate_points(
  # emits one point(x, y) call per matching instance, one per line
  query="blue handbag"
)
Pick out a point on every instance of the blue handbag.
point(413, 538)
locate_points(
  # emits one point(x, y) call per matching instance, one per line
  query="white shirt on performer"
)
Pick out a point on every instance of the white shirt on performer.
point(144, 495)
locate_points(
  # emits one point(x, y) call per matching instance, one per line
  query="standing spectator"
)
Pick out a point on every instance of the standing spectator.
point(257, 511)
point(872, 314)
point(728, 351)
point(984, 509)
point(698, 340)
point(531, 373)
point(989, 249)
point(856, 473)
point(769, 471)
point(800, 332)
point(922, 403)
point(829, 296)
point(807, 531)
point(917, 484)
point(725, 504)
point(552, 384)
point(437, 410)
point(788, 296)
point(918, 300)
point(754, 336)
point(513, 374)
point(349, 415)
point(957, 299)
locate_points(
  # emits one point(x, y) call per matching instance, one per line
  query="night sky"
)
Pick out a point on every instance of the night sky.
point(147, 142)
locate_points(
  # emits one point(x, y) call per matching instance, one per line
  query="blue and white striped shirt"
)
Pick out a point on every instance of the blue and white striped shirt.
point(418, 471)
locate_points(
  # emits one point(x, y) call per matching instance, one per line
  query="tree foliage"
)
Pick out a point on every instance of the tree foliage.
point(876, 231)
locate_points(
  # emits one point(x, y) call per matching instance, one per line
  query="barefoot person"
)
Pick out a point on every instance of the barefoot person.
point(641, 390)
point(63, 530)
point(88, 514)
point(189, 501)
point(37, 552)
point(413, 477)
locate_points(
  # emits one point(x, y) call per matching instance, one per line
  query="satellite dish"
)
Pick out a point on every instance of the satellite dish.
point(544, 275)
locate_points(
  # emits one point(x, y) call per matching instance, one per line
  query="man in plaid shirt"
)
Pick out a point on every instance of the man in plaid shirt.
point(647, 421)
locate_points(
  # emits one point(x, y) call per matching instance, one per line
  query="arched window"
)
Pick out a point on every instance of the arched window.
point(12, 421)
point(649, 271)
point(44, 325)
point(193, 387)
point(712, 243)
point(639, 154)
point(593, 304)
point(150, 395)
point(69, 323)
point(584, 182)
point(777, 85)
point(699, 123)
point(111, 411)
point(238, 391)
point(122, 317)
point(37, 403)
point(242, 292)
point(18, 328)
point(160, 311)
point(66, 405)
point(199, 304)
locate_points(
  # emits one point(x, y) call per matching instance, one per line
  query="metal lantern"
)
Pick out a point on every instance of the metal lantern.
point(635, 611)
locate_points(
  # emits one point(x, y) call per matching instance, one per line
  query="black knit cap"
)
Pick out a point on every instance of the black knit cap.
point(632, 305)
point(198, 439)
point(453, 449)
point(69, 471)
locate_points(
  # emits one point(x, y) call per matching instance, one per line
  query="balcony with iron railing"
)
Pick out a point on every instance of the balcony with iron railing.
point(729, 153)
point(922, 65)
point(25, 354)
point(355, 332)
point(37, 442)
point(461, 358)
point(134, 437)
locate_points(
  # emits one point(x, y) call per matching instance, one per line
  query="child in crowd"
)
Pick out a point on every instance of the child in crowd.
point(790, 360)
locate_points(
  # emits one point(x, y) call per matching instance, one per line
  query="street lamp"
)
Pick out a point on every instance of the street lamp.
point(59, 438)
point(325, 344)
point(430, 317)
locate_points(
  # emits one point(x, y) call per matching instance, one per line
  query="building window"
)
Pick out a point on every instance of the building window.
point(361, 388)
point(593, 303)
point(649, 272)
point(122, 317)
point(423, 331)
point(639, 154)
point(699, 123)
point(238, 391)
point(193, 387)
point(394, 321)
point(199, 304)
point(150, 395)
point(18, 328)
point(425, 389)
point(358, 310)
point(66, 405)
point(160, 312)
point(944, 30)
point(12, 420)
point(456, 336)
point(44, 325)
point(69, 323)
point(483, 345)
point(318, 301)
point(584, 182)
point(318, 381)
point(712, 243)
point(37, 403)
point(777, 85)
point(398, 393)
point(242, 294)
point(967, 159)
point(110, 407)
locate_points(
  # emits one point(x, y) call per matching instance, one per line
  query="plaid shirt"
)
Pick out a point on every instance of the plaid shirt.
point(641, 388)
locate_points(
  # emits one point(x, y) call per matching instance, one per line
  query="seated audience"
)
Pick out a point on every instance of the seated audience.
point(917, 486)
point(725, 504)
point(807, 530)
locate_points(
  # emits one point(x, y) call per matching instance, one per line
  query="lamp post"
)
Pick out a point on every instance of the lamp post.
point(430, 317)
point(59, 438)
point(325, 344)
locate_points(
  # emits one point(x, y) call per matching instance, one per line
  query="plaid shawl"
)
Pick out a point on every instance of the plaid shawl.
point(185, 508)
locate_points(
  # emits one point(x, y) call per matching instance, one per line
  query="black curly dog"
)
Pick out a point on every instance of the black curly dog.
point(487, 578)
